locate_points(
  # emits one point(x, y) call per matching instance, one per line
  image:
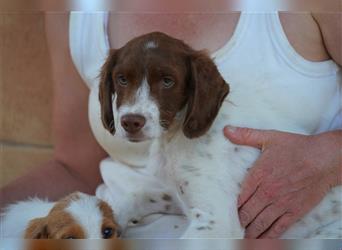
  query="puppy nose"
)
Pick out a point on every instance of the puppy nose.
point(132, 123)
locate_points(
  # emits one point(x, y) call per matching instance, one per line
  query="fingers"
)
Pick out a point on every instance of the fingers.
point(263, 221)
point(279, 227)
point(247, 136)
point(249, 211)
point(257, 194)
point(255, 138)
point(258, 191)
point(257, 174)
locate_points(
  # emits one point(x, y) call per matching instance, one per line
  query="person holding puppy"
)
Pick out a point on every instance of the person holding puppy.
point(292, 169)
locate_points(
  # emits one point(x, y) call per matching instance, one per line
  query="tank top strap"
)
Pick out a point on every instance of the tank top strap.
point(290, 55)
point(234, 41)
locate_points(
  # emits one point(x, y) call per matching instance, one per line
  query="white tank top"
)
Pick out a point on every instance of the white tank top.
point(258, 57)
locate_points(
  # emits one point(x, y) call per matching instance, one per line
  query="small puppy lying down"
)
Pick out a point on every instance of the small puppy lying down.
point(77, 216)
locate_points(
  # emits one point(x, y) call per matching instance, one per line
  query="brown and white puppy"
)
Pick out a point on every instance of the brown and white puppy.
point(153, 77)
point(77, 216)
point(158, 88)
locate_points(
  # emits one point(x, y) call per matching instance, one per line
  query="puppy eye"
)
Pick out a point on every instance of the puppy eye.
point(107, 233)
point(168, 82)
point(122, 80)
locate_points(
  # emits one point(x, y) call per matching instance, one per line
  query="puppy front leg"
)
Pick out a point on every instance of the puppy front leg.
point(133, 194)
point(212, 212)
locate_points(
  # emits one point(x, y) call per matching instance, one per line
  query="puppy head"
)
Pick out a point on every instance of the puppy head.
point(149, 81)
point(78, 216)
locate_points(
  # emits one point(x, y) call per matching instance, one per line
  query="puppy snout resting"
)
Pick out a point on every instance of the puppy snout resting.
point(77, 216)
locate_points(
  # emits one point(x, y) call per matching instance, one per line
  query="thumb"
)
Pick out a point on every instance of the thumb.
point(247, 136)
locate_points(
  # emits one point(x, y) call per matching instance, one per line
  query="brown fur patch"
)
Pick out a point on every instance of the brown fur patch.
point(108, 219)
point(61, 225)
point(57, 225)
point(36, 229)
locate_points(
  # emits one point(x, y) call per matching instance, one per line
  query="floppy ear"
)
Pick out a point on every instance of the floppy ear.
point(106, 91)
point(37, 229)
point(207, 92)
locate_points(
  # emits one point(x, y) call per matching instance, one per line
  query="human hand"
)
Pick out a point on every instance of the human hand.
point(291, 176)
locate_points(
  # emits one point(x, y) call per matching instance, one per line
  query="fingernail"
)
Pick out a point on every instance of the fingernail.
point(231, 129)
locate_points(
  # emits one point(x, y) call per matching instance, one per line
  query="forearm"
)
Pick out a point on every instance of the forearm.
point(335, 139)
point(51, 180)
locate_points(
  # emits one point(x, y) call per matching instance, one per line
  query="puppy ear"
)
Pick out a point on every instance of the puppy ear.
point(106, 91)
point(207, 92)
point(37, 229)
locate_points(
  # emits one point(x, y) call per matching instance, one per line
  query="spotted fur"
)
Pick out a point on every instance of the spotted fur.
point(190, 160)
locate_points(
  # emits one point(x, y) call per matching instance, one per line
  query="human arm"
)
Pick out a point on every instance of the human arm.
point(287, 156)
point(74, 165)
point(292, 169)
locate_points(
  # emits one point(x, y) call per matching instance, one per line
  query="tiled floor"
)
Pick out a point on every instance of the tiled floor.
point(25, 95)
